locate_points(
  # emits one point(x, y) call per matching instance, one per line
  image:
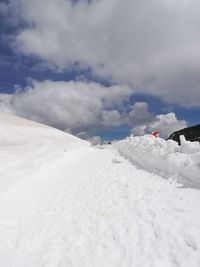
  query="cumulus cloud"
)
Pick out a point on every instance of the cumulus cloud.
point(151, 45)
point(112, 117)
point(139, 114)
point(164, 124)
point(83, 108)
point(74, 107)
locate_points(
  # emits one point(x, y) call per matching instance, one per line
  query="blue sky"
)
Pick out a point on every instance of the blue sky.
point(148, 69)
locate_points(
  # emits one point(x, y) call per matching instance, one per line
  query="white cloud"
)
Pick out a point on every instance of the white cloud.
point(72, 106)
point(164, 124)
point(112, 117)
point(139, 114)
point(151, 45)
point(84, 108)
point(139, 130)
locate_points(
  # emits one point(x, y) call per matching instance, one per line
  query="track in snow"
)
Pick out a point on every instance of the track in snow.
point(93, 208)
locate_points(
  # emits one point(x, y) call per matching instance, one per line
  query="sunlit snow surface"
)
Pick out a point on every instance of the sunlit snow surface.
point(65, 203)
point(166, 158)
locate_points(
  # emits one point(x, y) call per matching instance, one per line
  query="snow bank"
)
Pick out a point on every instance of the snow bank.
point(164, 157)
point(21, 133)
point(27, 146)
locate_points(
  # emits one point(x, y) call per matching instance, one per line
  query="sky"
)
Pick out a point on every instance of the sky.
point(101, 68)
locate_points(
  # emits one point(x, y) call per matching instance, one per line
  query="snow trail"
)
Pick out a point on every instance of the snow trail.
point(93, 208)
point(66, 204)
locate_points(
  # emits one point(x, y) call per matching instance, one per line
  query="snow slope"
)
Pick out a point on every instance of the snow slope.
point(65, 203)
point(27, 146)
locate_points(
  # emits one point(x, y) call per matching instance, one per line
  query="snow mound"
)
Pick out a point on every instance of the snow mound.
point(165, 158)
point(20, 132)
point(27, 146)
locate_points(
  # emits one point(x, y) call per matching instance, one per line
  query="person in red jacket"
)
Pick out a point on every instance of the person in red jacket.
point(155, 134)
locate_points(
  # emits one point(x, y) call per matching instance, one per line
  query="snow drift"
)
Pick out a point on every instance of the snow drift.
point(24, 135)
point(26, 146)
point(165, 158)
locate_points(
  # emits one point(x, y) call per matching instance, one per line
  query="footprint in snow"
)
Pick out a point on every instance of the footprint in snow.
point(116, 161)
point(190, 241)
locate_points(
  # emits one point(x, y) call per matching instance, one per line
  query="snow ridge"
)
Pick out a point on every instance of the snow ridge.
point(165, 158)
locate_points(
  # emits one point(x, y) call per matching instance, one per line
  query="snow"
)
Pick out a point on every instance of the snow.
point(66, 203)
point(165, 158)
point(27, 146)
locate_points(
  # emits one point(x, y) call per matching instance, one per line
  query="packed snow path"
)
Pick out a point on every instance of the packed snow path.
point(93, 208)
point(65, 205)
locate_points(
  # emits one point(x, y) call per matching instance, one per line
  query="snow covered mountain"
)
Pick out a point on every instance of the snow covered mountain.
point(66, 203)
